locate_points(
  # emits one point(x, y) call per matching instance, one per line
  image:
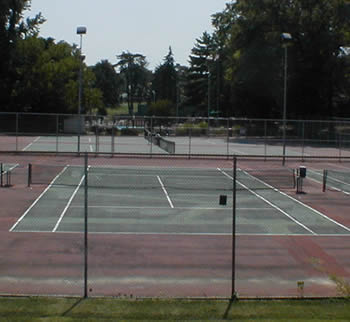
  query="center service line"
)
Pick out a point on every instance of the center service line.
point(166, 192)
point(68, 204)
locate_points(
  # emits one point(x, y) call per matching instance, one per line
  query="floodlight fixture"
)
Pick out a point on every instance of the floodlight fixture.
point(286, 36)
point(81, 30)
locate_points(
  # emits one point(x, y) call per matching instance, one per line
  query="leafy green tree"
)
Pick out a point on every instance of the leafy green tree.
point(253, 55)
point(165, 79)
point(136, 77)
point(201, 74)
point(108, 82)
point(47, 77)
point(162, 108)
point(13, 28)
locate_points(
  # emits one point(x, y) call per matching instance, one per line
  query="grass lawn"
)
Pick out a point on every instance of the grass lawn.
point(75, 309)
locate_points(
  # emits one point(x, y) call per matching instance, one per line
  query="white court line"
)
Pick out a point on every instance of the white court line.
point(37, 200)
point(30, 144)
point(181, 208)
point(166, 192)
point(303, 204)
point(68, 204)
point(270, 203)
point(186, 234)
point(320, 182)
point(91, 148)
point(341, 182)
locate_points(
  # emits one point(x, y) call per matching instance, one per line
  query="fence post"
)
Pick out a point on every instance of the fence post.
point(340, 141)
point(113, 136)
point(86, 226)
point(16, 132)
point(1, 173)
point(57, 131)
point(78, 134)
point(233, 287)
point(303, 142)
point(228, 139)
point(97, 137)
point(190, 141)
point(265, 139)
point(151, 132)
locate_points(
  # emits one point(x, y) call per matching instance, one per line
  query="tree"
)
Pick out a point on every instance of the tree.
point(47, 77)
point(133, 69)
point(165, 79)
point(253, 55)
point(12, 29)
point(162, 108)
point(201, 74)
point(108, 82)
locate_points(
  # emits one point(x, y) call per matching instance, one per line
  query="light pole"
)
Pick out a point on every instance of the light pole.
point(286, 37)
point(80, 31)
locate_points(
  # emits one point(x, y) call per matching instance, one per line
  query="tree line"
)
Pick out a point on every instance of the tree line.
point(238, 70)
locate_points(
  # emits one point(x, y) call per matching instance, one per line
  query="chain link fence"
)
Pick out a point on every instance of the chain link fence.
point(170, 227)
point(180, 136)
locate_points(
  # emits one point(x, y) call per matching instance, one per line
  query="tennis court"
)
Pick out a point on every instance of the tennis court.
point(168, 201)
point(161, 228)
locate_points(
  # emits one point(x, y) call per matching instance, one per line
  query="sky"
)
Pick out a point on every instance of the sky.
point(147, 27)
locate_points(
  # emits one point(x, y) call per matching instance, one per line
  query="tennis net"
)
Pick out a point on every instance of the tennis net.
point(166, 145)
point(155, 178)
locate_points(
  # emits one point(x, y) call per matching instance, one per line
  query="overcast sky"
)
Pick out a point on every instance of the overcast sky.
point(148, 27)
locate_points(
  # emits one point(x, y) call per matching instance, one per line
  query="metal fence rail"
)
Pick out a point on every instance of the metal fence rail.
point(181, 136)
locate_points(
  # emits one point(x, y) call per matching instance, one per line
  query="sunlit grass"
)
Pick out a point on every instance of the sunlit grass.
point(75, 309)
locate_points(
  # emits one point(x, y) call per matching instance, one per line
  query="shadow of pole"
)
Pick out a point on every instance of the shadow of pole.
point(227, 311)
point(73, 307)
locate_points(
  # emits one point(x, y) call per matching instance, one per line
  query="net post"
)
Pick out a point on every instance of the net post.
point(86, 225)
point(324, 181)
point(29, 174)
point(234, 188)
point(8, 178)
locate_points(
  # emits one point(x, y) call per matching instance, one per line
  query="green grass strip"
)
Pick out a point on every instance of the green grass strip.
point(75, 309)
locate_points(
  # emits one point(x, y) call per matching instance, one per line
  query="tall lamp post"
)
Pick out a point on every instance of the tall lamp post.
point(286, 37)
point(80, 31)
point(210, 59)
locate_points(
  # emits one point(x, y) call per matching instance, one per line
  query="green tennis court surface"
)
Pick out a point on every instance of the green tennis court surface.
point(169, 201)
